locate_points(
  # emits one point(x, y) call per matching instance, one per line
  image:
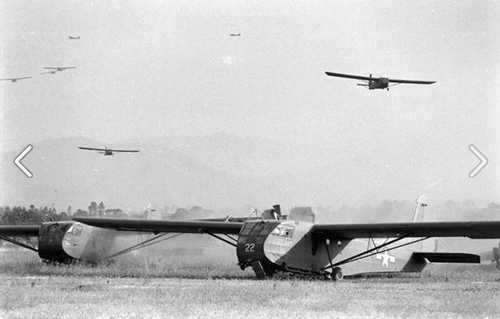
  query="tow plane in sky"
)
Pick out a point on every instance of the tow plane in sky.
point(107, 151)
point(13, 80)
point(269, 244)
point(373, 83)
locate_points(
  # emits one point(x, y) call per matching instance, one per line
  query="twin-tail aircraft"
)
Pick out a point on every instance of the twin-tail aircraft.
point(269, 244)
point(373, 83)
point(107, 151)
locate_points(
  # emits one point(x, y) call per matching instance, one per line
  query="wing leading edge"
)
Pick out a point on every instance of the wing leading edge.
point(123, 151)
point(16, 79)
point(349, 76)
point(19, 230)
point(486, 229)
point(366, 78)
point(107, 149)
point(91, 148)
point(411, 81)
point(163, 226)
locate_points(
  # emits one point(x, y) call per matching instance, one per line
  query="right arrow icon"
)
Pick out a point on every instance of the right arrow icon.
point(483, 161)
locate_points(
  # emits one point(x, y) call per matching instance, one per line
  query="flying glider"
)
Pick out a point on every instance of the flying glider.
point(74, 37)
point(373, 83)
point(54, 69)
point(268, 244)
point(16, 78)
point(107, 151)
point(235, 34)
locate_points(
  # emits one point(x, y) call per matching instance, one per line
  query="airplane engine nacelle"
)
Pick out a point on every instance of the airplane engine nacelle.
point(50, 241)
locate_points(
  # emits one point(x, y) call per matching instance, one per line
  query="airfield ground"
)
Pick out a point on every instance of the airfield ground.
point(188, 286)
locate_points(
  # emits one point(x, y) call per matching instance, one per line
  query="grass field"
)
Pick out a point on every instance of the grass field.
point(194, 287)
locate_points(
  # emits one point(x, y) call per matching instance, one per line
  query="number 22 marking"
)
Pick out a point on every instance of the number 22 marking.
point(249, 247)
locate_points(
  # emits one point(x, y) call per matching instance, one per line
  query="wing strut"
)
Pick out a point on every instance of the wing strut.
point(148, 242)
point(220, 238)
point(232, 238)
point(370, 252)
point(15, 242)
point(364, 253)
point(390, 248)
point(327, 243)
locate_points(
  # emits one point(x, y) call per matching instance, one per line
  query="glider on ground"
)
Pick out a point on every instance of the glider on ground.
point(373, 83)
point(268, 244)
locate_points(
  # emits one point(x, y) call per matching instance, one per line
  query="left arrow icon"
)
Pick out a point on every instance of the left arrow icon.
point(18, 159)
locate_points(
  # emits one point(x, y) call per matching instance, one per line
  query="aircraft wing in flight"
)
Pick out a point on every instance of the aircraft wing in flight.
point(411, 81)
point(59, 68)
point(16, 79)
point(123, 151)
point(349, 76)
point(91, 148)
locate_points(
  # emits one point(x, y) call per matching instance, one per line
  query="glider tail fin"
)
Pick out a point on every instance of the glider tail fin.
point(418, 214)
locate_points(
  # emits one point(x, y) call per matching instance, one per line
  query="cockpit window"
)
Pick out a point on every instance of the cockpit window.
point(75, 230)
point(285, 231)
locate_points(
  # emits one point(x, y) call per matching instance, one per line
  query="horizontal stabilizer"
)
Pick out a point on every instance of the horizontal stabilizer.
point(451, 258)
point(418, 261)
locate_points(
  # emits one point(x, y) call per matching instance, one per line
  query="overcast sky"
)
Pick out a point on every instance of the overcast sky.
point(158, 68)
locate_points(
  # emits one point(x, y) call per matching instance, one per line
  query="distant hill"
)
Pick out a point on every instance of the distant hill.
point(223, 170)
point(65, 175)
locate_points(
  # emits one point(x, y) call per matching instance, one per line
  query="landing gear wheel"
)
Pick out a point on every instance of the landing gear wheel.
point(337, 274)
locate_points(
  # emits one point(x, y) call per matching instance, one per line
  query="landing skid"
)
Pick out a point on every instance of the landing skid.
point(295, 273)
point(280, 275)
point(384, 274)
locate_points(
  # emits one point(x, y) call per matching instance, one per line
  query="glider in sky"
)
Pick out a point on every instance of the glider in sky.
point(106, 151)
point(373, 83)
point(16, 78)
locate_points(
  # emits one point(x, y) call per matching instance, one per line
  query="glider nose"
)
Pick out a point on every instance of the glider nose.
point(74, 241)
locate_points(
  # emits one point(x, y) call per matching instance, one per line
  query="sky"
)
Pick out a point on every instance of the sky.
point(161, 68)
